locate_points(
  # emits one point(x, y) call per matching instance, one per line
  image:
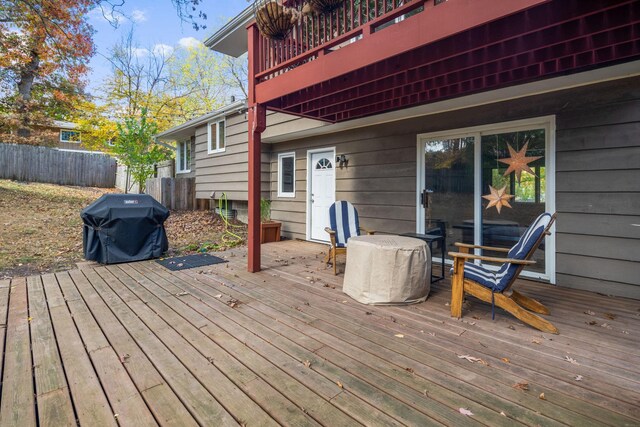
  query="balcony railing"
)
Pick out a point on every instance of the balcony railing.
point(319, 34)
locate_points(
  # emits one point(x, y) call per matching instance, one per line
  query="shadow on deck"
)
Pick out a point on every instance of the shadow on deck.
point(135, 345)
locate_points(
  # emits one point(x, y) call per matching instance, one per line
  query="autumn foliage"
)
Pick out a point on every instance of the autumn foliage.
point(45, 46)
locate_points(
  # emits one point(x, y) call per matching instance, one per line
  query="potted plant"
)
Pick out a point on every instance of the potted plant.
point(269, 229)
point(275, 20)
point(320, 6)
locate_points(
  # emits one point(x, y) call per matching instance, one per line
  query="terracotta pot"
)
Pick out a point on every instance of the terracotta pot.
point(270, 231)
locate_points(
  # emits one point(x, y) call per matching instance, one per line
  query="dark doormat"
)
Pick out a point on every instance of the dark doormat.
point(189, 261)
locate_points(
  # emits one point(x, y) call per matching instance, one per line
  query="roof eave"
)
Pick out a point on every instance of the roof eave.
point(231, 39)
point(169, 134)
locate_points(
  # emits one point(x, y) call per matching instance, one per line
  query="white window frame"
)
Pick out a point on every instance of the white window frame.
point(546, 122)
point(216, 149)
point(281, 156)
point(68, 141)
point(179, 153)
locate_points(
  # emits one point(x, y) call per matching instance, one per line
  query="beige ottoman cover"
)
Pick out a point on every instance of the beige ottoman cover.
point(387, 270)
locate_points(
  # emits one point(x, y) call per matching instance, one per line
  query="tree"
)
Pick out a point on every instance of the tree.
point(44, 48)
point(135, 148)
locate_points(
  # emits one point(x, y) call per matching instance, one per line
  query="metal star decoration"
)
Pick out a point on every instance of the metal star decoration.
point(519, 161)
point(498, 198)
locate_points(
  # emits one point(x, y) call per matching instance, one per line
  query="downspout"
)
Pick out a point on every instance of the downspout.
point(257, 124)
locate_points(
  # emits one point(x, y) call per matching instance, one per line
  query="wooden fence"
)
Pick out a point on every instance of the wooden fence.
point(43, 164)
point(173, 193)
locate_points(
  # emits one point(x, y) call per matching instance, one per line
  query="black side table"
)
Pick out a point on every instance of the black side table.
point(430, 239)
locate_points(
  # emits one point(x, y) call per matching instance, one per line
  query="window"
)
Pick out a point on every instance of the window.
point(287, 175)
point(69, 136)
point(216, 136)
point(183, 157)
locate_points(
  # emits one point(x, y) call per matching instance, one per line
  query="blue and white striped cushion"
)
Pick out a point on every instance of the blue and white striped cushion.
point(343, 218)
point(498, 280)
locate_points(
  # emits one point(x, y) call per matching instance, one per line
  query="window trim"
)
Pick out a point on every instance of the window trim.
point(281, 156)
point(179, 153)
point(69, 141)
point(217, 149)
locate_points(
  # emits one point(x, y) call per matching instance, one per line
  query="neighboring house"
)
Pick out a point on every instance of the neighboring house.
point(434, 102)
point(68, 135)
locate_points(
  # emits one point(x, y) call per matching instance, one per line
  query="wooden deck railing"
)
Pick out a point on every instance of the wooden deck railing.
point(318, 34)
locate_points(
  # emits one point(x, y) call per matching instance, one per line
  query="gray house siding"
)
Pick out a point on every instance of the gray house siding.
point(598, 196)
point(227, 172)
point(597, 179)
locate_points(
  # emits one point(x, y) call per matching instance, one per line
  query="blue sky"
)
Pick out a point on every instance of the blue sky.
point(157, 26)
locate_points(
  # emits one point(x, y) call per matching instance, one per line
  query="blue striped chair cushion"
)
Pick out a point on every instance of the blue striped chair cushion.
point(499, 280)
point(343, 219)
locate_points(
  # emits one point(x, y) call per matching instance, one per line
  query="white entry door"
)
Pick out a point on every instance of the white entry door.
point(322, 192)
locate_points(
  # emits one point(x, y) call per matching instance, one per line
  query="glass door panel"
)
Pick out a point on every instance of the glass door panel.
point(520, 174)
point(449, 181)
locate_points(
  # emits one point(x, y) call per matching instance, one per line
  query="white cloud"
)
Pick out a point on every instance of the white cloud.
point(138, 15)
point(139, 52)
point(104, 14)
point(189, 42)
point(162, 49)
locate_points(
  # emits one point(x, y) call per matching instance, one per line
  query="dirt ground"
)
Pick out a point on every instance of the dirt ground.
point(41, 229)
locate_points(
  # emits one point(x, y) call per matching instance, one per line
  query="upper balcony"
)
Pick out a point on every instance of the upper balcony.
point(372, 56)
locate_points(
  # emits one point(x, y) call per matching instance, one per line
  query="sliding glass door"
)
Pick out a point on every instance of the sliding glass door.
point(485, 185)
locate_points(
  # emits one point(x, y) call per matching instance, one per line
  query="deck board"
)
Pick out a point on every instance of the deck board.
point(136, 344)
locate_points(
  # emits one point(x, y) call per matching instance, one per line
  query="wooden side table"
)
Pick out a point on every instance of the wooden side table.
point(430, 239)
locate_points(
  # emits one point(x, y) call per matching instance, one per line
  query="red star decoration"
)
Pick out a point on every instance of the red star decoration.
point(498, 198)
point(519, 161)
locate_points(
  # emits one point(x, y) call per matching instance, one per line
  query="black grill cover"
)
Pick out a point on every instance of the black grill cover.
point(124, 228)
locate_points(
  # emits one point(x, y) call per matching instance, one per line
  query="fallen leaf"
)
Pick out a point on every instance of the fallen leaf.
point(409, 370)
point(393, 319)
point(181, 294)
point(522, 385)
point(605, 325)
point(466, 412)
point(506, 360)
point(592, 323)
point(578, 377)
point(503, 414)
point(219, 296)
point(124, 357)
point(472, 359)
point(339, 384)
point(307, 363)
point(541, 397)
point(570, 360)
point(610, 316)
point(368, 313)
point(590, 313)
point(536, 341)
point(399, 336)
point(512, 327)
point(29, 319)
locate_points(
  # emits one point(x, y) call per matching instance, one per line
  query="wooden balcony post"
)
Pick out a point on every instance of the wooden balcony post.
point(257, 123)
point(257, 120)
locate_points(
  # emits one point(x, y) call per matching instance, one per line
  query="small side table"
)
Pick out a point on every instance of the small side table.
point(430, 239)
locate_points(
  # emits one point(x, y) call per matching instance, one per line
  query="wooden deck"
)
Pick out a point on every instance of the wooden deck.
point(136, 345)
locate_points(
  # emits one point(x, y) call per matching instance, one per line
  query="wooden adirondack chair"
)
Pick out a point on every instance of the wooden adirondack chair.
point(494, 287)
point(343, 218)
